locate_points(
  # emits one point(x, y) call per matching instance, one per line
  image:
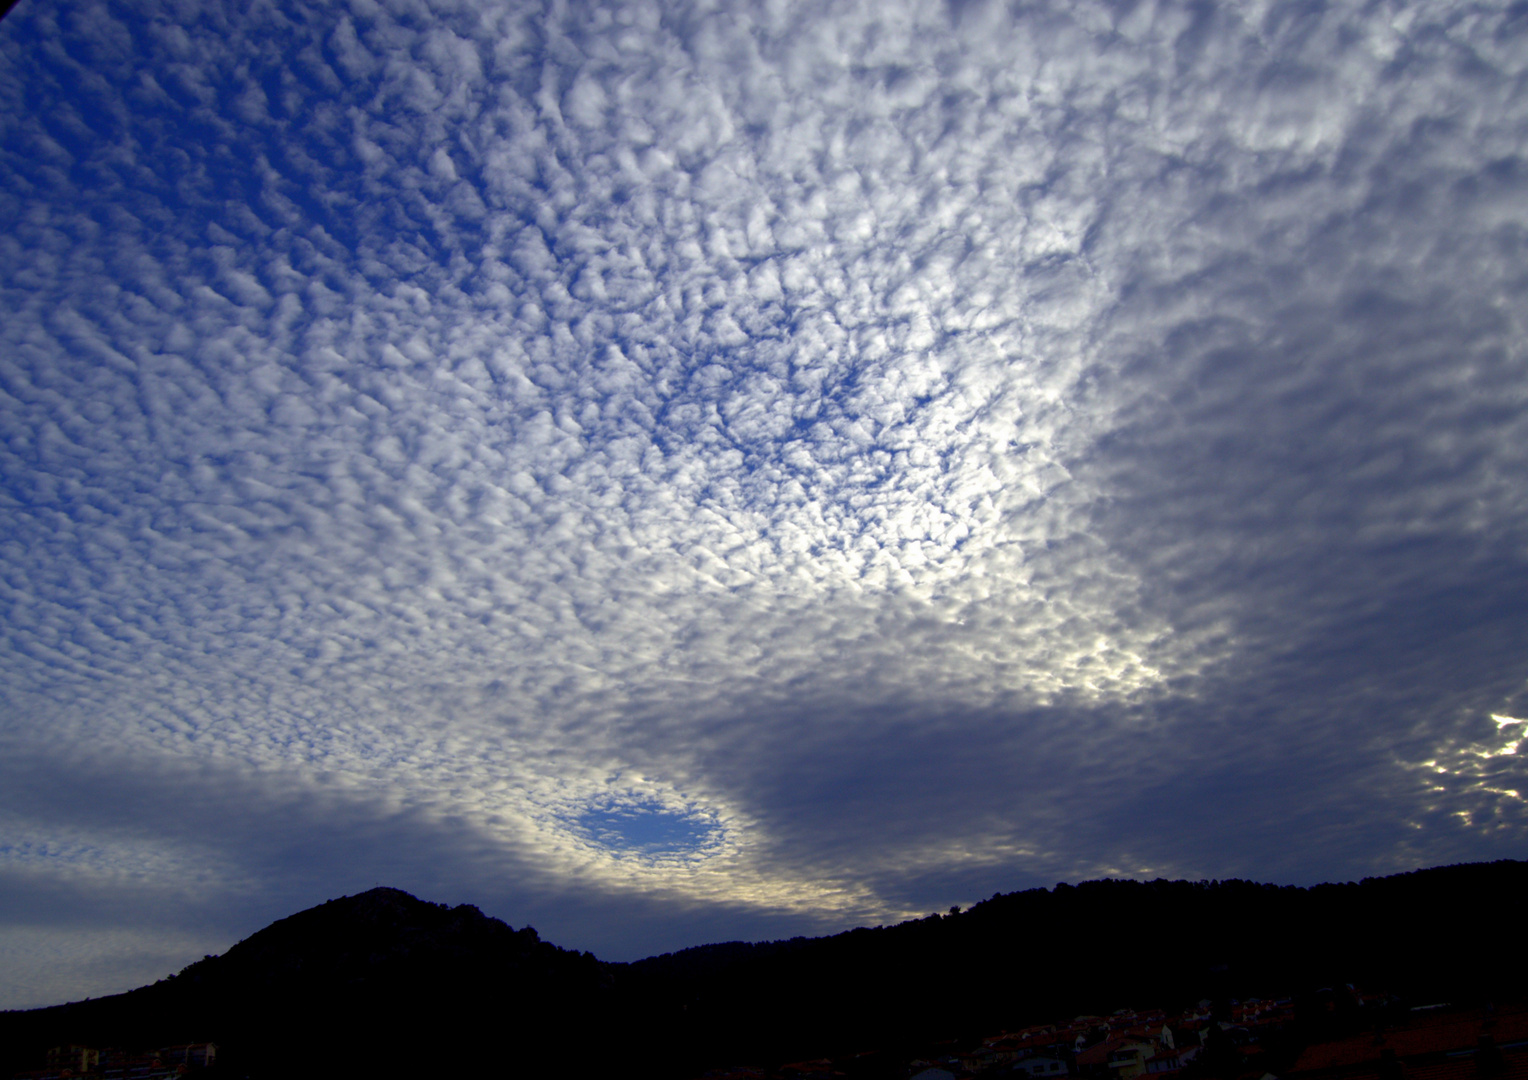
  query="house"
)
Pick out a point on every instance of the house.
point(1470, 1044)
point(1129, 1059)
point(79, 1059)
point(191, 1055)
point(1170, 1060)
point(1191, 1029)
point(1028, 1042)
point(1041, 1067)
point(819, 1069)
point(85, 1063)
point(1160, 1034)
point(984, 1057)
point(1119, 1058)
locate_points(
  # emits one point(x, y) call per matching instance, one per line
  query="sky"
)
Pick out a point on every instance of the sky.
point(691, 471)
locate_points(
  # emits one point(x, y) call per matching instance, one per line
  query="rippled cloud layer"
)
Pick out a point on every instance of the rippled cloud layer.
point(676, 472)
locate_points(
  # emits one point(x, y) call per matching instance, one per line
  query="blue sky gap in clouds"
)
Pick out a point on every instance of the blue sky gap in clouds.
point(645, 828)
point(679, 472)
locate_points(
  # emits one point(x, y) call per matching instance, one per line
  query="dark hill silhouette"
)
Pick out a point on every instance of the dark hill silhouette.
point(1102, 945)
point(385, 984)
point(381, 982)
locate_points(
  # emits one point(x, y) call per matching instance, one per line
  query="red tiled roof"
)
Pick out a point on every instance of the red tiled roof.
point(1462, 1067)
point(1018, 1042)
point(1431, 1035)
point(1098, 1054)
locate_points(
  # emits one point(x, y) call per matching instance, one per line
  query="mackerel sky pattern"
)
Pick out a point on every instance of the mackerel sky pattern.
point(677, 472)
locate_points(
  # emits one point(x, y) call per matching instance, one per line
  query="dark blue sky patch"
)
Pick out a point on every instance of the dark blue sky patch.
point(646, 828)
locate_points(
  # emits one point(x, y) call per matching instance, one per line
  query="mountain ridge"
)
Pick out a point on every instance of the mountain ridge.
point(402, 981)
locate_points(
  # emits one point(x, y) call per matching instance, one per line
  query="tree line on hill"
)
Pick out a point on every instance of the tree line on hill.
point(385, 984)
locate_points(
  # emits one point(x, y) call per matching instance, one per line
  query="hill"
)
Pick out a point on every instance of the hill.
point(385, 984)
point(381, 983)
point(1045, 954)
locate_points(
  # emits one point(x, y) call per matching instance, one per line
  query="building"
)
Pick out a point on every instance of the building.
point(1469, 1044)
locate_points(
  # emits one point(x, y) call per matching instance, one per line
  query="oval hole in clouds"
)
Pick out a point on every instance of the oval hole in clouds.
point(646, 827)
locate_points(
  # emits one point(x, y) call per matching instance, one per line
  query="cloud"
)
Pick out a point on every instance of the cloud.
point(937, 449)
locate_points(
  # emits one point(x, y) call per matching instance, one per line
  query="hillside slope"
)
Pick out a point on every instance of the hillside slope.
point(388, 985)
point(381, 982)
point(1102, 945)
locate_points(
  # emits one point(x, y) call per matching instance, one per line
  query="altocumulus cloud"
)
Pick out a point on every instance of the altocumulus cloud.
point(674, 472)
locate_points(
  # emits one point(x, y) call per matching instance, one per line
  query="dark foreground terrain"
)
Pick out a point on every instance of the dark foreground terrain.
point(384, 984)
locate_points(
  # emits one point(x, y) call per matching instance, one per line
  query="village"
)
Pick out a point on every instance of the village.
point(1121, 1046)
point(1256, 1037)
point(1256, 1040)
point(87, 1063)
